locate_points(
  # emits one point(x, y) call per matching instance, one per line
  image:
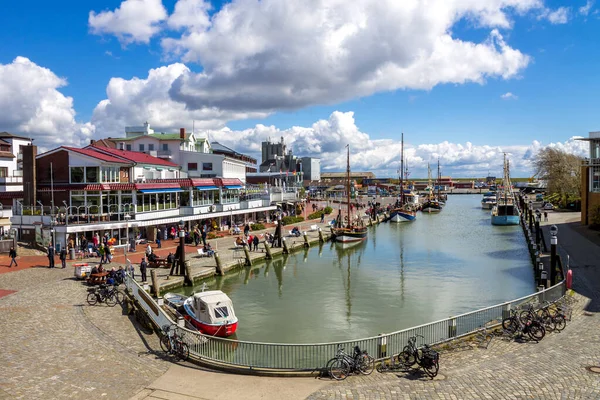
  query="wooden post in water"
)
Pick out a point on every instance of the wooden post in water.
point(218, 262)
point(321, 239)
point(247, 253)
point(285, 248)
point(188, 273)
point(155, 287)
point(306, 243)
point(268, 251)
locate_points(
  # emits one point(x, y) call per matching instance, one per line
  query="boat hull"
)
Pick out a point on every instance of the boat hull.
point(347, 235)
point(402, 216)
point(505, 220)
point(487, 206)
point(220, 330)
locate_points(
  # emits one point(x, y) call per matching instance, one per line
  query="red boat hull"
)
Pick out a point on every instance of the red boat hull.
point(214, 330)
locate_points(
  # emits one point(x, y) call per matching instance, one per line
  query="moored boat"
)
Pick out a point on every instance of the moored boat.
point(431, 205)
point(403, 212)
point(211, 312)
point(505, 212)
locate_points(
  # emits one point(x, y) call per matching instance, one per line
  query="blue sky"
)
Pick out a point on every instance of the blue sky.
point(261, 74)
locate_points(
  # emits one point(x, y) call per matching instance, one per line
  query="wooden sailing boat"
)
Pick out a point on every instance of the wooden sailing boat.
point(431, 205)
point(505, 212)
point(402, 212)
point(351, 231)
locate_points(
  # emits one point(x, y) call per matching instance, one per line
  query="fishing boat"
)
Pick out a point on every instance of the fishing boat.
point(211, 312)
point(403, 212)
point(351, 231)
point(488, 201)
point(431, 205)
point(505, 212)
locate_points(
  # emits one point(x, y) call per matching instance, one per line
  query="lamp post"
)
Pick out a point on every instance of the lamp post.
point(127, 218)
point(181, 247)
point(530, 215)
point(553, 244)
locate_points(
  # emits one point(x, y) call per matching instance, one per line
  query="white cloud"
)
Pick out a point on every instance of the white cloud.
point(273, 55)
point(133, 101)
point(133, 21)
point(33, 106)
point(509, 96)
point(558, 16)
point(585, 10)
point(326, 139)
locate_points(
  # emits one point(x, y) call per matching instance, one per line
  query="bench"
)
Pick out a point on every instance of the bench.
point(314, 227)
point(97, 278)
point(202, 253)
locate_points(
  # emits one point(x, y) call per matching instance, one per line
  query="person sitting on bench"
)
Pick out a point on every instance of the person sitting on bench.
point(295, 231)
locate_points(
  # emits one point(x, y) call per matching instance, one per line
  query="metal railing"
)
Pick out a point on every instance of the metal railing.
point(314, 356)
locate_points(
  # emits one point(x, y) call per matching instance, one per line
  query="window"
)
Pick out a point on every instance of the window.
point(221, 312)
point(91, 175)
point(77, 175)
point(596, 179)
point(3, 172)
point(207, 166)
point(122, 146)
point(128, 147)
point(151, 147)
point(165, 147)
point(193, 166)
point(141, 146)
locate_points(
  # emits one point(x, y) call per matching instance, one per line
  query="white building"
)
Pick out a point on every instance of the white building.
point(11, 162)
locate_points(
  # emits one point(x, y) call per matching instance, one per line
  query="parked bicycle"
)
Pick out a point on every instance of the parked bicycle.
point(172, 342)
point(516, 327)
point(340, 366)
point(424, 356)
point(108, 294)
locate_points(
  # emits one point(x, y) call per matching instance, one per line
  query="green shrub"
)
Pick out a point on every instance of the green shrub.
point(291, 220)
point(315, 215)
point(257, 227)
point(595, 218)
point(328, 210)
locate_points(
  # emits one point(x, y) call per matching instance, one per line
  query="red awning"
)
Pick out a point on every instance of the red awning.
point(165, 185)
point(231, 182)
point(203, 182)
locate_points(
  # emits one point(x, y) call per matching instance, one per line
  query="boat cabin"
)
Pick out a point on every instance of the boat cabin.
point(213, 307)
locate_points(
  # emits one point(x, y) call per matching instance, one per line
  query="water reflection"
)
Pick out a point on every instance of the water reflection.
point(403, 275)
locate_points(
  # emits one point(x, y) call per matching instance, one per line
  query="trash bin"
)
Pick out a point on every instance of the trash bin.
point(72, 253)
point(82, 270)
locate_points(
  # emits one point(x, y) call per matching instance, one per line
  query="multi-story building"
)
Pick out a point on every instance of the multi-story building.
point(100, 189)
point(590, 181)
point(193, 153)
point(277, 158)
point(11, 175)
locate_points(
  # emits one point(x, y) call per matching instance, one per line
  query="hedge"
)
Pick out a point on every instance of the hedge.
point(257, 227)
point(317, 214)
point(291, 220)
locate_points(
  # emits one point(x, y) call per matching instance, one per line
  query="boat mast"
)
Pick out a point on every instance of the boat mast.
point(402, 171)
point(348, 182)
point(438, 180)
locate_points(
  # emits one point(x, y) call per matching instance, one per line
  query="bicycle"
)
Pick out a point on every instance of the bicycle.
point(340, 366)
point(172, 343)
point(105, 294)
point(513, 325)
point(424, 356)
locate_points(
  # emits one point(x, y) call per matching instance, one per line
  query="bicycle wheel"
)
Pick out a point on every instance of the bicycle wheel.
point(510, 325)
point(526, 316)
point(165, 343)
point(183, 350)
point(536, 331)
point(407, 357)
point(366, 364)
point(432, 368)
point(559, 322)
point(92, 299)
point(120, 296)
point(339, 369)
point(111, 299)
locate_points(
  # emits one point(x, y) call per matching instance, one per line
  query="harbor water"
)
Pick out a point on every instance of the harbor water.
point(403, 275)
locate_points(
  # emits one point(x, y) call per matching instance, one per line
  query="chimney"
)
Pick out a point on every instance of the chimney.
point(92, 141)
point(182, 133)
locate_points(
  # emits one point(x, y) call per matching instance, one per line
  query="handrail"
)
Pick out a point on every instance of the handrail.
point(297, 357)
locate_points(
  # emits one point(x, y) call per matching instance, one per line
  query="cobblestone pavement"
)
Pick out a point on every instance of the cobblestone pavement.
point(56, 346)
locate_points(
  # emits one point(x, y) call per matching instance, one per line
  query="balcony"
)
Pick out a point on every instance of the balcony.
point(164, 154)
point(11, 179)
point(589, 162)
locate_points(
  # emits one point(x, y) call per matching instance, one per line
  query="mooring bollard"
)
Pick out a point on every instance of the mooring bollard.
point(155, 287)
point(247, 253)
point(306, 244)
point(268, 251)
point(218, 262)
point(321, 239)
point(285, 248)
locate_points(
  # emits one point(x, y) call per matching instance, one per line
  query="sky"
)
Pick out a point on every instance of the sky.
point(464, 80)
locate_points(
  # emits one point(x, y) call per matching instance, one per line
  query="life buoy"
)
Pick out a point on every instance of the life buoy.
point(569, 278)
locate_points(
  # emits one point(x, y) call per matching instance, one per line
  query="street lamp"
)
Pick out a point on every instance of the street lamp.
point(127, 218)
point(181, 247)
point(553, 245)
point(52, 237)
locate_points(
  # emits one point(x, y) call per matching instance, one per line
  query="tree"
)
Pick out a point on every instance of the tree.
point(561, 171)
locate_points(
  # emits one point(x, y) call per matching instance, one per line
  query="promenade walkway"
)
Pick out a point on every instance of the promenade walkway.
point(56, 346)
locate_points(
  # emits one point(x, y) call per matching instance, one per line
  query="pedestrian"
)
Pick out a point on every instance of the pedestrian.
point(148, 250)
point(250, 242)
point(323, 217)
point(13, 257)
point(158, 242)
point(255, 241)
point(143, 266)
point(107, 253)
point(203, 232)
point(63, 257)
point(50, 255)
point(131, 269)
point(101, 251)
point(246, 230)
point(546, 216)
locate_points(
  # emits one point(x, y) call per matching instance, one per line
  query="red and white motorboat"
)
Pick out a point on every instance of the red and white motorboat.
point(211, 312)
